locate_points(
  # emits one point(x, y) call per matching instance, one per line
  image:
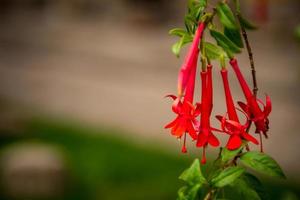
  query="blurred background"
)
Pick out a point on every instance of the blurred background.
point(81, 97)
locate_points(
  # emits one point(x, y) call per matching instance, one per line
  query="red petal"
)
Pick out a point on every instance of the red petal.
point(190, 106)
point(191, 130)
point(171, 124)
point(234, 124)
point(213, 141)
point(198, 109)
point(219, 117)
point(202, 140)
point(222, 119)
point(217, 130)
point(234, 142)
point(244, 107)
point(250, 138)
point(171, 96)
point(176, 106)
point(181, 128)
point(268, 107)
point(175, 127)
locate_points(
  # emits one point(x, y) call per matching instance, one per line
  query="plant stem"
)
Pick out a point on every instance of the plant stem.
point(209, 195)
point(250, 54)
point(249, 50)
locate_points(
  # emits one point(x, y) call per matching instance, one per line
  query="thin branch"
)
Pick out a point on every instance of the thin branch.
point(250, 54)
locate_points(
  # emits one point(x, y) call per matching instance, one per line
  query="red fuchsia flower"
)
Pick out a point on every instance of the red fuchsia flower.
point(205, 135)
point(188, 63)
point(186, 113)
point(258, 116)
point(232, 126)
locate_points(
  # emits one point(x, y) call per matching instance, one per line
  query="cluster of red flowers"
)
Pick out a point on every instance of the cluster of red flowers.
point(188, 112)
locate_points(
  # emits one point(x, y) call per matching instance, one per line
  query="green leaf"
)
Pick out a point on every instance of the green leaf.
point(193, 174)
point(190, 23)
point(176, 48)
point(212, 51)
point(235, 36)
point(202, 3)
point(188, 193)
point(262, 163)
point(192, 4)
point(245, 192)
point(226, 16)
point(256, 185)
point(225, 42)
point(297, 32)
point(228, 176)
point(178, 32)
point(197, 10)
point(246, 24)
point(227, 155)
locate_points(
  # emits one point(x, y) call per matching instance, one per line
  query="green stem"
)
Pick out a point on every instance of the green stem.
point(209, 195)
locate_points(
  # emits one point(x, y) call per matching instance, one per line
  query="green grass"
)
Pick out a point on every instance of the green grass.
point(104, 166)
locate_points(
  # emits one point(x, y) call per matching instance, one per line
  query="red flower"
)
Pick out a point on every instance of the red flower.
point(185, 121)
point(188, 63)
point(232, 126)
point(205, 135)
point(258, 116)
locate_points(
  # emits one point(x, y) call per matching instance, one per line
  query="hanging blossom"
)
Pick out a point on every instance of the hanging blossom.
point(185, 121)
point(205, 135)
point(232, 125)
point(258, 116)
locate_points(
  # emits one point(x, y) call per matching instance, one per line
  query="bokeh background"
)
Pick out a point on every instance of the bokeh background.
point(81, 97)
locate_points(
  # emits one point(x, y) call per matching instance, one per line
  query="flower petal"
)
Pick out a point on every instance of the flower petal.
point(172, 123)
point(171, 96)
point(234, 124)
point(268, 107)
point(250, 138)
point(234, 142)
point(213, 141)
point(191, 130)
point(244, 107)
point(201, 140)
point(181, 128)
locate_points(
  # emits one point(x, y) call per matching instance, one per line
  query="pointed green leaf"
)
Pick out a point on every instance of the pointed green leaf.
point(224, 42)
point(176, 48)
point(212, 51)
point(191, 4)
point(235, 36)
point(256, 185)
point(245, 192)
point(193, 174)
point(190, 22)
point(246, 24)
point(188, 193)
point(297, 31)
point(202, 3)
point(178, 32)
point(262, 163)
point(228, 176)
point(197, 12)
point(227, 155)
point(226, 16)
point(196, 3)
